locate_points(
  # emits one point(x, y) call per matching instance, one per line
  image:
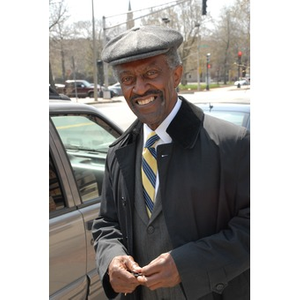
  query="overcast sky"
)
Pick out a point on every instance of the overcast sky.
point(81, 10)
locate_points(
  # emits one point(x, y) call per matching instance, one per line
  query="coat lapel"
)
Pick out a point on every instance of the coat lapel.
point(185, 127)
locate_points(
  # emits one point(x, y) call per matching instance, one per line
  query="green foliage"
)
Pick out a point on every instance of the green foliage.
point(194, 87)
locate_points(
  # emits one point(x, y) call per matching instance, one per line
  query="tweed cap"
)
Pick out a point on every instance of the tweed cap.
point(139, 43)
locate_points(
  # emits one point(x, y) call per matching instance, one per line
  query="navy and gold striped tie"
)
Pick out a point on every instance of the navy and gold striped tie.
point(149, 170)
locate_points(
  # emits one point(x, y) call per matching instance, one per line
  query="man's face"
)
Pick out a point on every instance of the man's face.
point(148, 86)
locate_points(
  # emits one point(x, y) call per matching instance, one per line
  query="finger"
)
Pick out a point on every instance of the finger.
point(132, 266)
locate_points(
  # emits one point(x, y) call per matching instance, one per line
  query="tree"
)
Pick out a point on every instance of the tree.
point(186, 17)
point(57, 17)
point(231, 35)
point(223, 38)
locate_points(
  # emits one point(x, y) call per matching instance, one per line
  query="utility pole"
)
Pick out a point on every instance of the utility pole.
point(74, 77)
point(105, 65)
point(207, 70)
point(198, 58)
point(94, 56)
point(239, 66)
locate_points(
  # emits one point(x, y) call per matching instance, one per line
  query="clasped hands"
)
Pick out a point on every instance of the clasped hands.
point(125, 274)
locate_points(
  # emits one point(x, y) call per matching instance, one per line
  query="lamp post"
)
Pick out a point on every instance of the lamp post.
point(198, 58)
point(207, 70)
point(94, 56)
point(239, 65)
point(106, 94)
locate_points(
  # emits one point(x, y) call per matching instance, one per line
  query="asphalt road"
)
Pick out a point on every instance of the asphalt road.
point(117, 109)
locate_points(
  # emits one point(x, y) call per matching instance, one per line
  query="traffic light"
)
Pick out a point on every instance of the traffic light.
point(244, 71)
point(204, 7)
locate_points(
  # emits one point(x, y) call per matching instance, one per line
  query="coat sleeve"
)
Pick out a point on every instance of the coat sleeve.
point(108, 240)
point(210, 263)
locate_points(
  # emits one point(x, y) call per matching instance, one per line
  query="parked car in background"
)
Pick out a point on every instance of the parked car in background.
point(83, 89)
point(79, 136)
point(243, 81)
point(111, 91)
point(116, 88)
point(237, 113)
point(79, 88)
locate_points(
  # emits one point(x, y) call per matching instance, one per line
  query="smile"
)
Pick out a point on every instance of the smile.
point(146, 101)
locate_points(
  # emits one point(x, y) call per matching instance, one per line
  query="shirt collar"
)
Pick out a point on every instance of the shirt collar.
point(161, 130)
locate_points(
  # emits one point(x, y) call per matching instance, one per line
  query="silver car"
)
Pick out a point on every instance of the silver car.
point(237, 113)
point(79, 138)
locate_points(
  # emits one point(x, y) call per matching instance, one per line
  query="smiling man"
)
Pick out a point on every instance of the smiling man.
point(174, 220)
point(149, 88)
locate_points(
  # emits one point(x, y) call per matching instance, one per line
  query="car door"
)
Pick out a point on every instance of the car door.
point(67, 249)
point(85, 138)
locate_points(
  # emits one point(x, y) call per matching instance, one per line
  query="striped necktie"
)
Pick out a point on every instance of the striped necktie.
point(149, 170)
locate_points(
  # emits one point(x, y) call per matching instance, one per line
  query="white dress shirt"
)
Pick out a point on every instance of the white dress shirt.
point(162, 133)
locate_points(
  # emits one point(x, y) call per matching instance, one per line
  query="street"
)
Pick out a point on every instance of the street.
point(117, 109)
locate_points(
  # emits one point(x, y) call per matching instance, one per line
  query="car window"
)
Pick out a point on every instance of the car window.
point(86, 140)
point(56, 197)
point(231, 116)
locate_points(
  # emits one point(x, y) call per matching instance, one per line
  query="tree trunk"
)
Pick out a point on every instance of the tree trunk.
point(51, 81)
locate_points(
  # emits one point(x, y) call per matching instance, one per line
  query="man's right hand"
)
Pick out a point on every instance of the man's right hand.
point(121, 276)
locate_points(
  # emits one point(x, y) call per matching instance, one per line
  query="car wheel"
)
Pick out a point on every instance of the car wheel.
point(91, 95)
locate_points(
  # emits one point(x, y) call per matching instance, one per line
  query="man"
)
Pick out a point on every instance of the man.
point(190, 239)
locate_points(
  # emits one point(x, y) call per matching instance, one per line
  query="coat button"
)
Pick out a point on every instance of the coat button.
point(220, 287)
point(150, 229)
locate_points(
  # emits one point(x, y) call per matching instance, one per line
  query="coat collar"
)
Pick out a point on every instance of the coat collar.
point(183, 129)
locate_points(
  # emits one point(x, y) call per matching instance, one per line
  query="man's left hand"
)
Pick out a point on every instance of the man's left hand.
point(159, 273)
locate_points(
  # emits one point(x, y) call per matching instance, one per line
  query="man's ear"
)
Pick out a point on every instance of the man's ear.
point(177, 75)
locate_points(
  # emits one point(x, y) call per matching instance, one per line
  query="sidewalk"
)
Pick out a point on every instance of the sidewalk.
point(183, 93)
point(99, 101)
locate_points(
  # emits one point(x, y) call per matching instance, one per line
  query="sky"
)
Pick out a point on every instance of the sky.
point(81, 10)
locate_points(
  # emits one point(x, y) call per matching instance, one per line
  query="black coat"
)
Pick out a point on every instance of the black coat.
point(205, 190)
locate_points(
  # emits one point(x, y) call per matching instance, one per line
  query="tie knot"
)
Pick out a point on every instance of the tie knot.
point(151, 139)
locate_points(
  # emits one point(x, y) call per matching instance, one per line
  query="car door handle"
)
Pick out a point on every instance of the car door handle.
point(89, 225)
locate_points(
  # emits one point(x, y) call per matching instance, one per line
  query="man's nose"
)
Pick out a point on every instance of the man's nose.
point(141, 86)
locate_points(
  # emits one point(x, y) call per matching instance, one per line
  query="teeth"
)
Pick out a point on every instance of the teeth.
point(145, 101)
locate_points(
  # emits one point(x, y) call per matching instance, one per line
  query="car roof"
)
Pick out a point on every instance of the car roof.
point(237, 113)
point(64, 106)
point(76, 80)
point(244, 107)
point(58, 106)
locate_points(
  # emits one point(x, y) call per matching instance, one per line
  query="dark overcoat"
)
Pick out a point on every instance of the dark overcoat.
point(205, 190)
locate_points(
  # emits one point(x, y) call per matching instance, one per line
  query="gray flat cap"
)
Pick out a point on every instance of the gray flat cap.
point(139, 43)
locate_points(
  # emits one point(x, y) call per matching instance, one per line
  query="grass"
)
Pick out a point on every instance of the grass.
point(194, 87)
